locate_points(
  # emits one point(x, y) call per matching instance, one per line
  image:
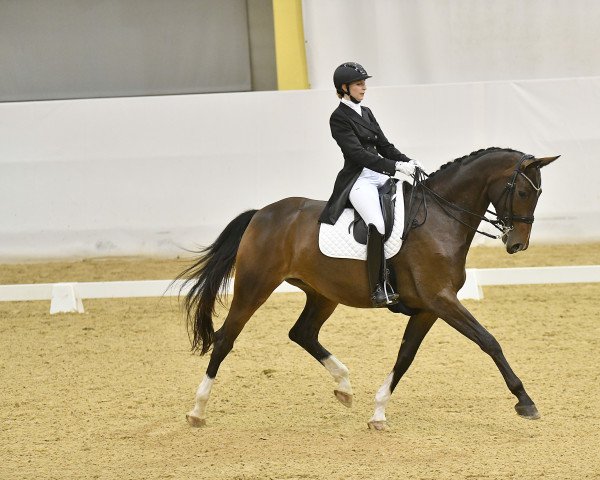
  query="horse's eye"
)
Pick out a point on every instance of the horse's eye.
point(522, 194)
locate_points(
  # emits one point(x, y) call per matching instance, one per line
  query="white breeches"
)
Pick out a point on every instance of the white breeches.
point(364, 197)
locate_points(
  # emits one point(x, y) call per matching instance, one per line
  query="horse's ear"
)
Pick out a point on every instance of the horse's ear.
point(539, 162)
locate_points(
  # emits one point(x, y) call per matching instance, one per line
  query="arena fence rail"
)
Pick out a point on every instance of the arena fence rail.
point(67, 297)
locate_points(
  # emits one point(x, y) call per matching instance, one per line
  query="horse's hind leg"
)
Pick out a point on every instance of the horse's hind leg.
point(415, 332)
point(248, 297)
point(305, 333)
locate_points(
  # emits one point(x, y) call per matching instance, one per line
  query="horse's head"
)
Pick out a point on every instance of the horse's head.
point(515, 200)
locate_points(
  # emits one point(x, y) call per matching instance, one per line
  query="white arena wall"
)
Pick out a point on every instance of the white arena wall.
point(157, 175)
point(407, 42)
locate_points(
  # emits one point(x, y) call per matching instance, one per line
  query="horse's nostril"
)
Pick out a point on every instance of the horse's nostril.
point(516, 247)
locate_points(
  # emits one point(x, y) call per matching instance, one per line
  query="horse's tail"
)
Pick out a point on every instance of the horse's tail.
point(212, 270)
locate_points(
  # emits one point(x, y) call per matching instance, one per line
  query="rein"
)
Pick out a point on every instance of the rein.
point(504, 224)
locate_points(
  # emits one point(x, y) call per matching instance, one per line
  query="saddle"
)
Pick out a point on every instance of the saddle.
point(387, 200)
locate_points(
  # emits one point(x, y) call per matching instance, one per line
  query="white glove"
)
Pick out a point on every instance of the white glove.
point(407, 168)
point(418, 164)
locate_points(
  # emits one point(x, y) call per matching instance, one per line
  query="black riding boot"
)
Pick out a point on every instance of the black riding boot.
point(382, 294)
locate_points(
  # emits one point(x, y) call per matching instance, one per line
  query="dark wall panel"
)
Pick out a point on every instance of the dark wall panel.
point(53, 49)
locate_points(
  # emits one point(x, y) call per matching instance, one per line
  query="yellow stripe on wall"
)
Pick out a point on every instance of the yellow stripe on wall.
point(290, 55)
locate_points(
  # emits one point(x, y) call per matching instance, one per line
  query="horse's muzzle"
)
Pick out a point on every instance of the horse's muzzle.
point(514, 248)
point(516, 240)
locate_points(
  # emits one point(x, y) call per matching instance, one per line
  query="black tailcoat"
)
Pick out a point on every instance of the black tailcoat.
point(363, 145)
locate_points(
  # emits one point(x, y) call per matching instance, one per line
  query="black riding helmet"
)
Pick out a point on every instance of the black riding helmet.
point(347, 73)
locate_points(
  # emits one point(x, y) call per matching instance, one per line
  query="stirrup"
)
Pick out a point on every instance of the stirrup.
point(381, 297)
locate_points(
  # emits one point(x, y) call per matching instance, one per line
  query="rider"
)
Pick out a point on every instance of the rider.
point(369, 160)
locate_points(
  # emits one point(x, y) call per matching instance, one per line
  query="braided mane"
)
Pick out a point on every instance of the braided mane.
point(470, 157)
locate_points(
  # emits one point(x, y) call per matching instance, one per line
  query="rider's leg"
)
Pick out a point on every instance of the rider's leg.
point(382, 294)
point(364, 197)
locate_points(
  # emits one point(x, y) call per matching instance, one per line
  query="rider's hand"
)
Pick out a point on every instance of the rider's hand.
point(407, 168)
point(418, 164)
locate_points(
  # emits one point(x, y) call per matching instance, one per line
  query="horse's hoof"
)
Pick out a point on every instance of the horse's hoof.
point(529, 412)
point(344, 398)
point(194, 421)
point(378, 425)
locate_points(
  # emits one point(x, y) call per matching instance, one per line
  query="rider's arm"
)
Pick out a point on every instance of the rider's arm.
point(345, 136)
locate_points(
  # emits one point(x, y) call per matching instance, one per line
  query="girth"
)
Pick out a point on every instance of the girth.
point(387, 201)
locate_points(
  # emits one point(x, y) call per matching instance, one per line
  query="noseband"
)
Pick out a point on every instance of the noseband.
point(503, 223)
point(508, 194)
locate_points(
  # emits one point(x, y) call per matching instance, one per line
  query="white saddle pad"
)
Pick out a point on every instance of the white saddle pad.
point(335, 241)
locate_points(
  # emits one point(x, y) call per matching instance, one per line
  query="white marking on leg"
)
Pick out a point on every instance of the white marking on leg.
point(381, 398)
point(202, 396)
point(339, 372)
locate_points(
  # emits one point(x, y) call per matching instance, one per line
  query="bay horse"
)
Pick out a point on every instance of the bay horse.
point(279, 243)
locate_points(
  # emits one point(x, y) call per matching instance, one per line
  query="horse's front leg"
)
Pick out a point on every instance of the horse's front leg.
point(415, 331)
point(458, 317)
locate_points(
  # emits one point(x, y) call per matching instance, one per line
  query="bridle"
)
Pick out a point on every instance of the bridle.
point(503, 223)
point(509, 194)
